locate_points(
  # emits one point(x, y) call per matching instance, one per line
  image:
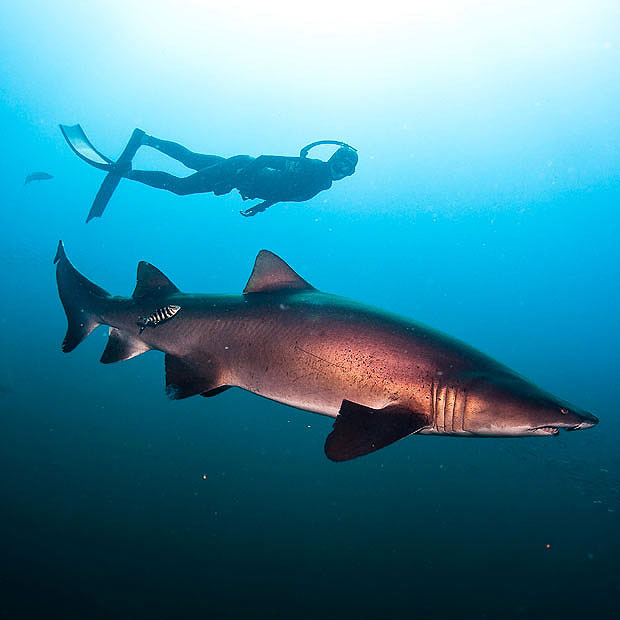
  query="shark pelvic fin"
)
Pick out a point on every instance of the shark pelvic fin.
point(184, 378)
point(122, 346)
point(152, 283)
point(271, 273)
point(360, 430)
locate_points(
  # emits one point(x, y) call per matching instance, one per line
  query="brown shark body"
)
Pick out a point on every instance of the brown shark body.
point(382, 376)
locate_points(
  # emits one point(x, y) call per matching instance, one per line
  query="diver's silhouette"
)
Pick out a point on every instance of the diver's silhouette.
point(270, 178)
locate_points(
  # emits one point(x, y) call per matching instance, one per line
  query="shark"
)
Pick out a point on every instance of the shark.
point(381, 376)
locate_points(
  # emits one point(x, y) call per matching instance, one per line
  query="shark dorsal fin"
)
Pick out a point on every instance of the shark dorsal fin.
point(271, 273)
point(152, 283)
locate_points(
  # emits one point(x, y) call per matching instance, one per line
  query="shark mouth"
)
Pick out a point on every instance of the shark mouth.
point(544, 430)
point(554, 430)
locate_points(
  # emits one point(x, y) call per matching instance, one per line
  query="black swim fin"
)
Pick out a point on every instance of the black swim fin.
point(84, 149)
point(114, 177)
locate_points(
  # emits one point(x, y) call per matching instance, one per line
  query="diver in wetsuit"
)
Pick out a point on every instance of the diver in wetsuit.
point(270, 178)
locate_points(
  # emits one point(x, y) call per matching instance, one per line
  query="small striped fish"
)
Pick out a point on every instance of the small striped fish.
point(159, 316)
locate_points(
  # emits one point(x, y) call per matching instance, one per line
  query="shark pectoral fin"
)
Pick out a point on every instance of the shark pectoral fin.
point(185, 378)
point(360, 430)
point(122, 346)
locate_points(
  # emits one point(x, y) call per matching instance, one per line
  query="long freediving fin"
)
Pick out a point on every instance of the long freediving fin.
point(85, 150)
point(113, 178)
point(83, 147)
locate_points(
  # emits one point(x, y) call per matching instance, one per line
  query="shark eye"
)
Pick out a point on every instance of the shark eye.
point(563, 411)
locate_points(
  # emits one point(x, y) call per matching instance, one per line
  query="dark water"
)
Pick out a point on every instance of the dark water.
point(485, 204)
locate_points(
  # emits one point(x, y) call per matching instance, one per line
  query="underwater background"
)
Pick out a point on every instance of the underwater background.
point(485, 204)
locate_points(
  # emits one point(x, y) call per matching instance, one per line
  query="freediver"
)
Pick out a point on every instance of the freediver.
point(270, 178)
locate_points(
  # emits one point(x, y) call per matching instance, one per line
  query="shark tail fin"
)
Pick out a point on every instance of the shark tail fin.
point(81, 299)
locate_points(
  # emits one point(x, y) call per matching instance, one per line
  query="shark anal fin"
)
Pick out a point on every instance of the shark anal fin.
point(185, 378)
point(216, 391)
point(122, 346)
point(271, 273)
point(360, 430)
point(152, 283)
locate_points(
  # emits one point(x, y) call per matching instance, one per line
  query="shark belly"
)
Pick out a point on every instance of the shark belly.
point(313, 361)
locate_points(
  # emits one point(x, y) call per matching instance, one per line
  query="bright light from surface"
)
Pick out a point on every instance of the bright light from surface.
point(455, 89)
point(283, 44)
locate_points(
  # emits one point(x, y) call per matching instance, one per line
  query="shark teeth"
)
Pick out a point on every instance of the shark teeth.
point(549, 430)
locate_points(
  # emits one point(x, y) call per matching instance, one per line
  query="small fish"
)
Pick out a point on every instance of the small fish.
point(159, 316)
point(37, 176)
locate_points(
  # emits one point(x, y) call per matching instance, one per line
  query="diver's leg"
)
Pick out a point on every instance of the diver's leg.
point(160, 180)
point(195, 161)
point(211, 179)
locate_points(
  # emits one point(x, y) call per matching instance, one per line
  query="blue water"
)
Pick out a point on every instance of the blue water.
point(485, 204)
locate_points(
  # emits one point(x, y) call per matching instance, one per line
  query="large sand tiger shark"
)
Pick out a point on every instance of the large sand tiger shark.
point(381, 376)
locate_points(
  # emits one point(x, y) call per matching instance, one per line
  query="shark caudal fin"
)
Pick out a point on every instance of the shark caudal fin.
point(81, 299)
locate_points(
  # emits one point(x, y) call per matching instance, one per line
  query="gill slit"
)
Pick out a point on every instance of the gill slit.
point(434, 403)
point(454, 399)
point(443, 395)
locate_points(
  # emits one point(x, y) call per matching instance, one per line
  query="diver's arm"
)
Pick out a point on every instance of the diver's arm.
point(261, 206)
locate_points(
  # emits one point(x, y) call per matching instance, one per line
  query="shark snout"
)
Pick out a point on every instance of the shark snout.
point(568, 420)
point(586, 420)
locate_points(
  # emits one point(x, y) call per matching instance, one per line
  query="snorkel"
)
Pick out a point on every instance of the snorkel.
point(304, 152)
point(342, 162)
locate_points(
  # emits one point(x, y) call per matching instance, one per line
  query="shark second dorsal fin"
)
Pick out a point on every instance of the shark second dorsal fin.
point(271, 273)
point(152, 283)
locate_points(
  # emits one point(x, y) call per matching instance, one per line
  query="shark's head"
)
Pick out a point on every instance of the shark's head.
point(503, 403)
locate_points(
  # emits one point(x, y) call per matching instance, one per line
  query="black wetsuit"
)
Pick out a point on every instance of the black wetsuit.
point(270, 178)
point(284, 179)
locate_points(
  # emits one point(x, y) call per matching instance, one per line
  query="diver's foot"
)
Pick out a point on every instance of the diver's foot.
point(248, 212)
point(122, 169)
point(145, 139)
point(138, 133)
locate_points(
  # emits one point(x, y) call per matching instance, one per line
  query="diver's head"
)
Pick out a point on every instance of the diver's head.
point(342, 163)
